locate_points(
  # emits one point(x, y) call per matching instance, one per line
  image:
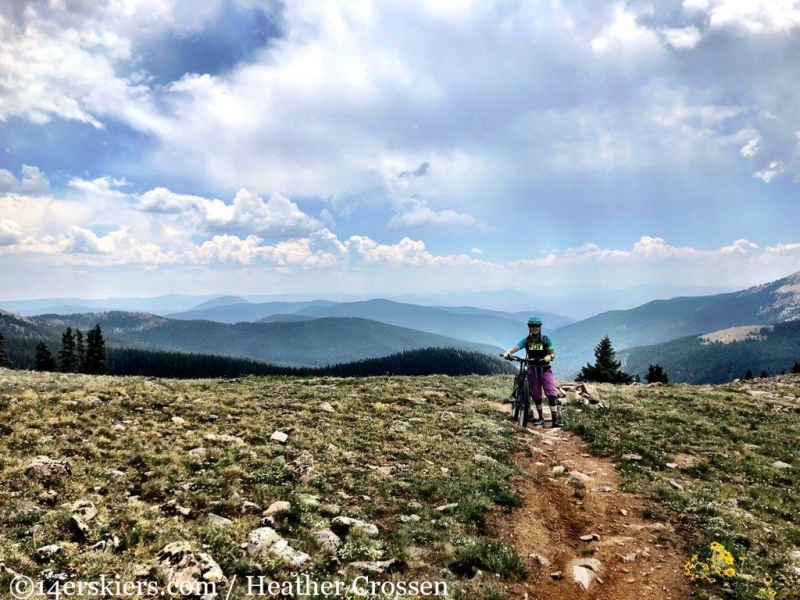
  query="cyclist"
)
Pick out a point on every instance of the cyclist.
point(540, 347)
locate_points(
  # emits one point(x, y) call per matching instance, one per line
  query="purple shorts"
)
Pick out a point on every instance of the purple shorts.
point(548, 383)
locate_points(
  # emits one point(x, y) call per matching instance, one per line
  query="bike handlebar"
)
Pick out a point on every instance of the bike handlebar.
point(536, 362)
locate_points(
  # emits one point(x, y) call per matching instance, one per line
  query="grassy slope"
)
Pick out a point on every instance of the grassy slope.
point(726, 439)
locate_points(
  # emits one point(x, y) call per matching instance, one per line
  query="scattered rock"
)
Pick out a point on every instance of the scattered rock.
point(45, 553)
point(447, 507)
point(218, 521)
point(591, 537)
point(250, 507)
point(343, 525)
point(446, 416)
point(327, 541)
point(629, 558)
point(482, 459)
point(557, 575)
point(672, 465)
point(327, 407)
point(49, 470)
point(199, 453)
point(277, 508)
point(378, 567)
point(283, 550)
point(559, 470)
point(80, 529)
point(279, 436)
point(544, 562)
point(781, 465)
point(632, 457)
point(623, 512)
point(181, 568)
point(85, 509)
point(585, 570)
point(266, 539)
point(179, 420)
point(173, 508)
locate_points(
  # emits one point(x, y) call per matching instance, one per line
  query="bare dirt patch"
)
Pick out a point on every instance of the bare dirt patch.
point(637, 557)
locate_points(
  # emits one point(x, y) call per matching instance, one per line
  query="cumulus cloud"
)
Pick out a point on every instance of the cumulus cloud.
point(10, 232)
point(32, 183)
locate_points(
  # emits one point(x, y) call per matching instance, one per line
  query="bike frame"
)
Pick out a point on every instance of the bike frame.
point(522, 388)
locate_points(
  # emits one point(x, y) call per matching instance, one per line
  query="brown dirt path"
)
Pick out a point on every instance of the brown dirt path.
point(638, 558)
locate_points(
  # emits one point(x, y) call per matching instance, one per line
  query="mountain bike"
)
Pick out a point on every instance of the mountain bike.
point(521, 393)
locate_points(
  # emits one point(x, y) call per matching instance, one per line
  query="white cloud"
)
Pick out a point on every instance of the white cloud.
point(769, 173)
point(10, 232)
point(751, 148)
point(682, 38)
point(33, 182)
point(757, 17)
point(277, 216)
point(423, 217)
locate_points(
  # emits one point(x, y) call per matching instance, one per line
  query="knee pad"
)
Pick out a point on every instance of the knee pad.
point(552, 400)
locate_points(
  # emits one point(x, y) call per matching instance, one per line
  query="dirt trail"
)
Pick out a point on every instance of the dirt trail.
point(634, 561)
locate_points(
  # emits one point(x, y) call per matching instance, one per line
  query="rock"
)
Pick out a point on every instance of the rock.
point(179, 420)
point(447, 507)
point(559, 470)
point(672, 465)
point(676, 485)
point(585, 570)
point(116, 473)
point(279, 436)
point(629, 558)
point(173, 508)
point(606, 489)
point(85, 509)
point(45, 553)
point(327, 541)
point(250, 507)
point(781, 465)
point(327, 407)
point(181, 568)
point(632, 457)
point(343, 525)
point(378, 567)
point(198, 453)
point(557, 575)
point(277, 508)
point(540, 559)
point(482, 459)
point(218, 521)
point(623, 512)
point(447, 416)
point(260, 540)
point(49, 470)
point(578, 477)
point(80, 530)
point(283, 550)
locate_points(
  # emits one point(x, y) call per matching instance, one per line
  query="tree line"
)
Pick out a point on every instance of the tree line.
point(77, 354)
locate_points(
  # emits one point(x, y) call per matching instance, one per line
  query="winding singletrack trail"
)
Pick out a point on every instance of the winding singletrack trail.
point(630, 556)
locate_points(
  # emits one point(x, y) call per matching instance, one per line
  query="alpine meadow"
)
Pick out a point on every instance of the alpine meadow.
point(400, 299)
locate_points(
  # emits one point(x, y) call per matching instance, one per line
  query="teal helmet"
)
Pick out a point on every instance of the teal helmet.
point(534, 321)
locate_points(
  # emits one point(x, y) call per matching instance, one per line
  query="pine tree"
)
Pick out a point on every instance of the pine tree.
point(655, 374)
point(67, 358)
point(80, 351)
point(764, 375)
point(3, 358)
point(606, 368)
point(44, 359)
point(796, 367)
point(95, 351)
point(749, 374)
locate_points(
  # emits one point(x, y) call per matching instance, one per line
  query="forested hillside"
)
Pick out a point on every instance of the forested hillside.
point(773, 349)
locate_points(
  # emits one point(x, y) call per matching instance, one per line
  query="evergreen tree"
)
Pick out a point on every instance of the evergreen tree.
point(44, 359)
point(749, 374)
point(764, 375)
point(796, 367)
point(3, 358)
point(80, 351)
point(67, 357)
point(655, 374)
point(95, 351)
point(606, 368)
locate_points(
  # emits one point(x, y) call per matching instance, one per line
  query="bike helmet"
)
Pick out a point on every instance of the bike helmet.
point(534, 321)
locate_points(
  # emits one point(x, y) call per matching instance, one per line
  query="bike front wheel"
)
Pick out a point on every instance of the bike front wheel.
point(523, 403)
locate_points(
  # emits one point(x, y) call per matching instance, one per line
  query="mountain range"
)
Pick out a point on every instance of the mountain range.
point(321, 332)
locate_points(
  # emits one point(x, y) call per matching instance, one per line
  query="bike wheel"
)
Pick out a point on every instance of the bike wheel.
point(524, 403)
point(515, 404)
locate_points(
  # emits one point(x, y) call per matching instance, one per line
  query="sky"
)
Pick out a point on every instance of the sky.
point(154, 147)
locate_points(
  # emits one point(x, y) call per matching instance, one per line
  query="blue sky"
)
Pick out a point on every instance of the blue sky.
point(383, 148)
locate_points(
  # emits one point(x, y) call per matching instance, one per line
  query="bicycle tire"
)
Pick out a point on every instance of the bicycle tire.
point(524, 403)
point(515, 405)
